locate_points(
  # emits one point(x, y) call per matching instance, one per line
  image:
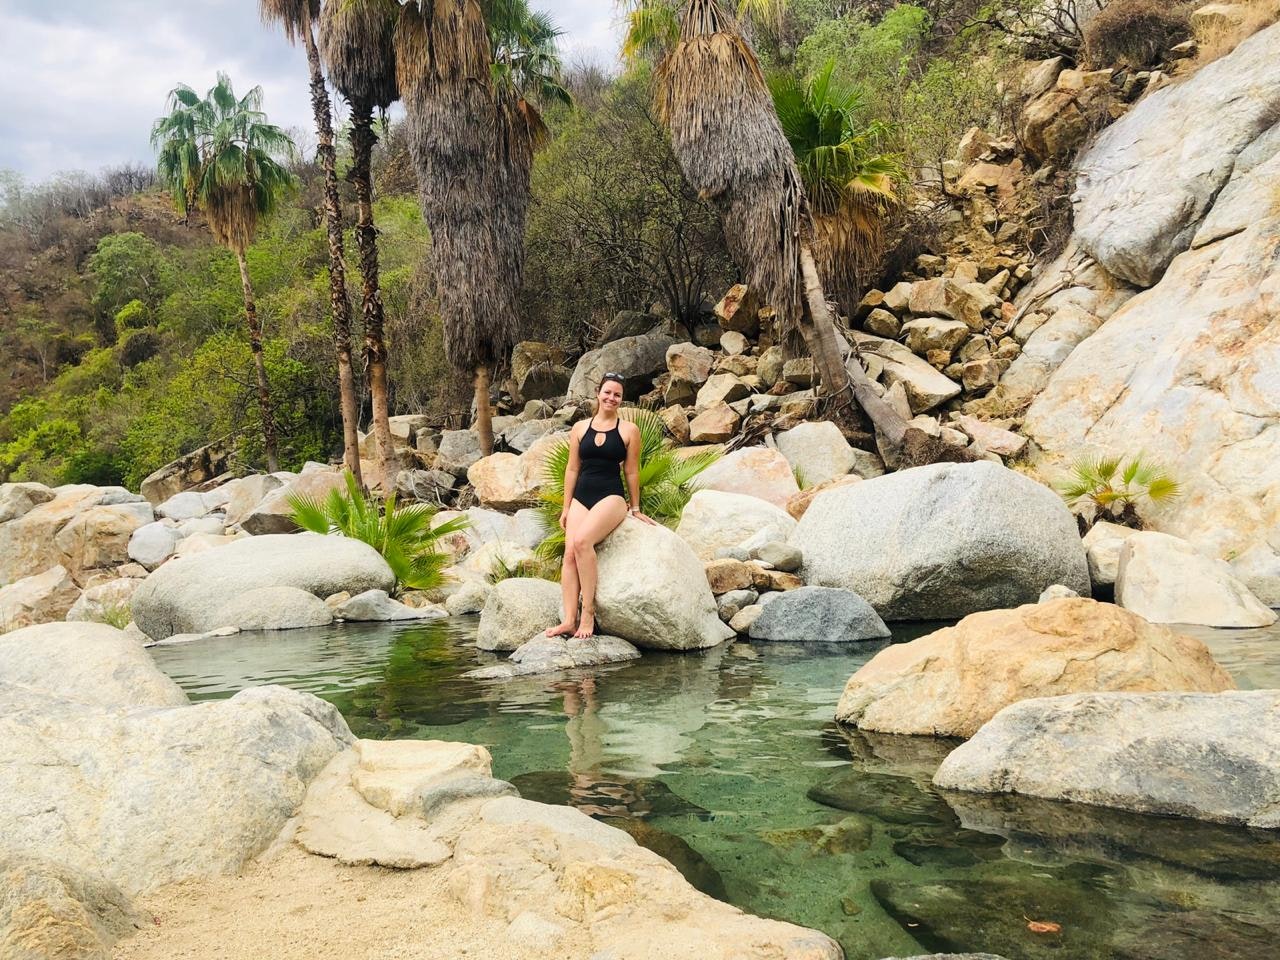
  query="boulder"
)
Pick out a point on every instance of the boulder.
point(273, 513)
point(156, 796)
point(690, 362)
point(1049, 346)
point(780, 556)
point(740, 622)
point(722, 388)
point(1102, 545)
point(715, 424)
point(1055, 591)
point(942, 541)
point(377, 606)
point(882, 323)
point(799, 502)
point(275, 607)
point(197, 467)
point(83, 663)
point(714, 519)
point(105, 602)
point(817, 451)
point(991, 438)
point(728, 605)
point(16, 499)
point(769, 369)
point(653, 592)
point(637, 359)
point(738, 310)
point(522, 436)
point(1149, 178)
point(501, 482)
point(1053, 125)
point(734, 343)
point(756, 471)
point(470, 597)
point(944, 297)
point(515, 609)
point(72, 531)
point(798, 371)
point(727, 574)
point(153, 543)
point(543, 654)
point(183, 506)
point(819, 615)
point(459, 449)
point(204, 541)
point(1164, 579)
point(925, 334)
point(39, 598)
point(925, 387)
point(187, 594)
point(951, 682)
point(1211, 756)
point(538, 371)
point(628, 323)
point(248, 493)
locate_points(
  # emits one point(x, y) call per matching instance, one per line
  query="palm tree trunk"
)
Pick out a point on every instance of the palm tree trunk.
point(375, 348)
point(339, 303)
point(840, 379)
point(255, 345)
point(484, 414)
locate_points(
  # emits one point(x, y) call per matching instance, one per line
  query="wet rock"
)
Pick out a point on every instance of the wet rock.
point(676, 851)
point(377, 605)
point(819, 615)
point(850, 835)
point(543, 654)
point(954, 680)
point(636, 798)
point(515, 609)
point(966, 537)
point(1206, 756)
point(883, 797)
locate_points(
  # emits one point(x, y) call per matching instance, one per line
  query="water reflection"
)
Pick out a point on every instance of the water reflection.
point(727, 763)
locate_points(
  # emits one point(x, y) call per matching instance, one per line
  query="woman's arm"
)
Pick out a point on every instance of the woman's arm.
point(632, 468)
point(570, 473)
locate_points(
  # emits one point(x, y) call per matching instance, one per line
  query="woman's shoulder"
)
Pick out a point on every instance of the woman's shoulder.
point(628, 429)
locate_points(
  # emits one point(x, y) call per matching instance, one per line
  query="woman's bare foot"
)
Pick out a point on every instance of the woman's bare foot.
point(562, 629)
point(586, 626)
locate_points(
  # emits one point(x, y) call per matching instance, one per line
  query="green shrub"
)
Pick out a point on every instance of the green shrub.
point(402, 534)
point(1112, 488)
point(1135, 33)
point(666, 478)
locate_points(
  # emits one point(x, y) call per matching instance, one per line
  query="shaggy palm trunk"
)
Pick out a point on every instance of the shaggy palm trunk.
point(484, 414)
point(375, 348)
point(339, 302)
point(255, 345)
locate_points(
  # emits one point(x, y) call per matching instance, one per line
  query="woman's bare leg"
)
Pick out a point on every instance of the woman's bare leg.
point(569, 574)
point(600, 521)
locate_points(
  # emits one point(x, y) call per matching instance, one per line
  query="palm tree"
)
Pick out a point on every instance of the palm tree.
point(296, 17)
point(724, 131)
point(219, 155)
point(469, 157)
point(356, 40)
point(850, 185)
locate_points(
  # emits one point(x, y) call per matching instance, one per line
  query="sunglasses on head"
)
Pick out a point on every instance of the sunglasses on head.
point(615, 377)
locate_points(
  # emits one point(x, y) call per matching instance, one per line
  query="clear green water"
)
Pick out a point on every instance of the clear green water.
point(727, 762)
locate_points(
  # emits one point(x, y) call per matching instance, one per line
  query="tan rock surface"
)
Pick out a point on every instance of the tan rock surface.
point(951, 682)
point(758, 471)
point(39, 598)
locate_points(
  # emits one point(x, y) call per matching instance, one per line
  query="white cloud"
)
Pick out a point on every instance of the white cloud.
point(82, 81)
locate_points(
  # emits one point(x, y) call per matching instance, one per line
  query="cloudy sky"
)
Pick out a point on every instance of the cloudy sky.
point(82, 80)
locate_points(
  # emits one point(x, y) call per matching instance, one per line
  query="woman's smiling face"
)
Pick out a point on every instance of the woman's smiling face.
point(610, 395)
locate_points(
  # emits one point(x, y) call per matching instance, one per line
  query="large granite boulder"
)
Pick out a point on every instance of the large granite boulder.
point(153, 543)
point(98, 537)
point(248, 492)
point(1165, 580)
point(817, 451)
point(951, 682)
point(158, 795)
point(38, 598)
point(756, 471)
point(273, 514)
point(819, 615)
point(88, 663)
point(187, 594)
point(1208, 756)
point(713, 520)
point(17, 499)
point(942, 541)
point(273, 607)
point(28, 542)
point(515, 609)
point(637, 359)
point(1147, 181)
point(653, 592)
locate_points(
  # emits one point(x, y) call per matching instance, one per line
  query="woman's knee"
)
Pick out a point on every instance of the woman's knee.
point(583, 550)
point(570, 553)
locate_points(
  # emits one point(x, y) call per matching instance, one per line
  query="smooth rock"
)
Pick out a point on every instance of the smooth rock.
point(187, 594)
point(954, 680)
point(248, 493)
point(637, 359)
point(17, 499)
point(377, 606)
point(274, 514)
point(458, 450)
point(275, 607)
point(819, 615)
point(183, 506)
point(502, 482)
point(516, 608)
point(1211, 756)
point(111, 599)
point(1102, 545)
point(84, 663)
point(942, 541)
point(817, 450)
point(1164, 579)
point(153, 543)
point(470, 597)
point(39, 598)
point(543, 654)
point(713, 520)
point(756, 471)
point(740, 623)
point(799, 502)
point(779, 555)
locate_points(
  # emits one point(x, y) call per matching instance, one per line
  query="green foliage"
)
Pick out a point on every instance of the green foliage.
point(132, 316)
point(118, 615)
point(402, 534)
point(666, 478)
point(99, 467)
point(539, 568)
point(1099, 486)
point(127, 268)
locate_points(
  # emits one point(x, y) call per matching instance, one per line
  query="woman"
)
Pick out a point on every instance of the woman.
point(595, 501)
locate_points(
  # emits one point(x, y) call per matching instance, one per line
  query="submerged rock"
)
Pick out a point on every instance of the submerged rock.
point(702, 876)
point(954, 680)
point(819, 615)
point(884, 797)
point(942, 541)
point(543, 654)
point(1207, 756)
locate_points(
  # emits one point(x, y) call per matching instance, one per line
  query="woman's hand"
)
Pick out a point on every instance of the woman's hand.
point(564, 519)
point(640, 516)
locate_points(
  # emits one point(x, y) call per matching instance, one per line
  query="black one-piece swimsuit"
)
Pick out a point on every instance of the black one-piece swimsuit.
point(600, 470)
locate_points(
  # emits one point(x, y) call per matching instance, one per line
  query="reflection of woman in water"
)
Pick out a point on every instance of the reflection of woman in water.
point(589, 790)
point(595, 501)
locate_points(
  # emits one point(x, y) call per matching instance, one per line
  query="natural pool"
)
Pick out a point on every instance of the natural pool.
point(727, 762)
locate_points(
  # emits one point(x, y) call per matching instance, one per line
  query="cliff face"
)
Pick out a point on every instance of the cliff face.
point(1181, 199)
